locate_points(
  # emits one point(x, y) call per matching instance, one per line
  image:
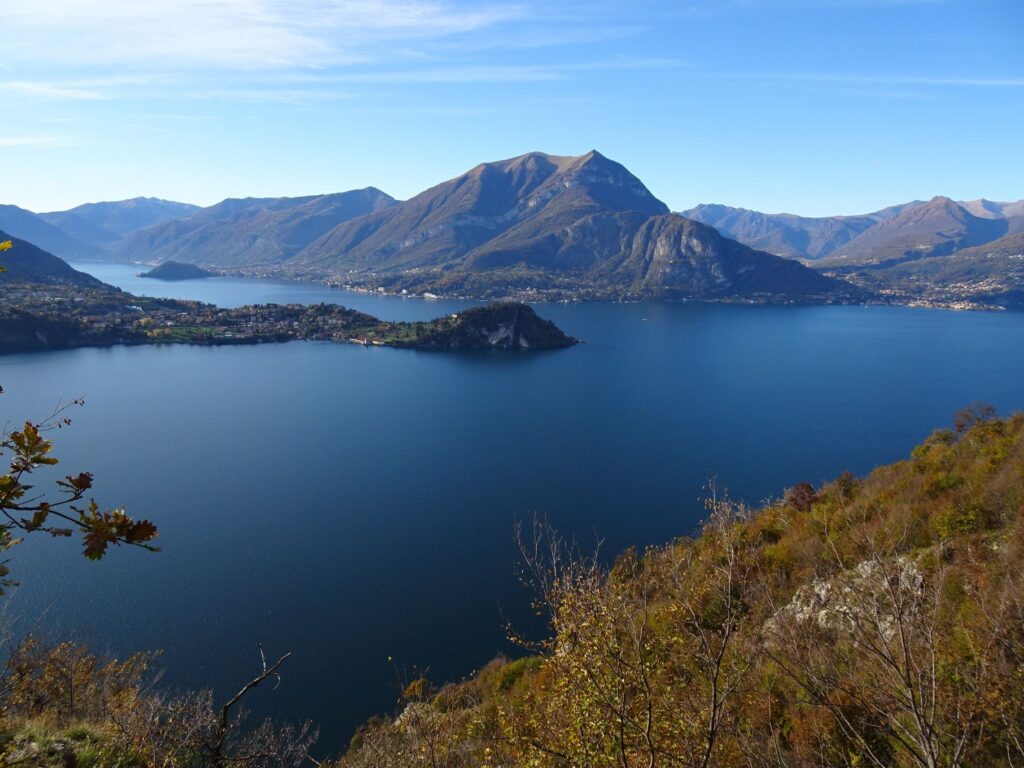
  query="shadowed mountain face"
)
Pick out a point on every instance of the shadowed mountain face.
point(18, 222)
point(25, 263)
point(105, 224)
point(251, 231)
point(672, 255)
point(539, 222)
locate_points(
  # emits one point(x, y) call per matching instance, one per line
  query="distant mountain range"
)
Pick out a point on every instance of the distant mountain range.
point(23, 224)
point(785, 234)
point(546, 226)
point(912, 230)
point(104, 225)
point(938, 250)
point(90, 232)
point(249, 232)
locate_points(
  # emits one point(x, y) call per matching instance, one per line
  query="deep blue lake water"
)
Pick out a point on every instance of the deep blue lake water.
point(352, 504)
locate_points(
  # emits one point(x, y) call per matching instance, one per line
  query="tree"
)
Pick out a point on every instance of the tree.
point(649, 659)
point(25, 510)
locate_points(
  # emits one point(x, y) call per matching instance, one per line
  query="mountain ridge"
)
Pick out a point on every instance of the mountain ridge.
point(249, 231)
point(104, 224)
point(572, 225)
point(26, 225)
point(534, 226)
point(937, 228)
point(862, 236)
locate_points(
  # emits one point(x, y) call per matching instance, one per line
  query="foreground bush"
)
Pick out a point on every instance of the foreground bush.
point(62, 705)
point(875, 622)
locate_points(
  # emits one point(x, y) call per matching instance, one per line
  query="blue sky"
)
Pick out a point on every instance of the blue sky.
point(809, 106)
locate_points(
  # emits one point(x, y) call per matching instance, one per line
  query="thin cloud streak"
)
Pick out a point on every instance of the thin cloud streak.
point(27, 141)
point(300, 87)
point(45, 90)
point(229, 34)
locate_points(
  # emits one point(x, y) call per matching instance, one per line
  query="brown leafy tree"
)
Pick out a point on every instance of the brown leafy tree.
point(24, 509)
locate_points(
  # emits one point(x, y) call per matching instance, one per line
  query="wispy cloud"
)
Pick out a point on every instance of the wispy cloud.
point(51, 90)
point(81, 89)
point(306, 86)
point(460, 74)
point(232, 34)
point(27, 141)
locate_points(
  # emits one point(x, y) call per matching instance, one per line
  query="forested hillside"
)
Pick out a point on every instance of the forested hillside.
point(875, 621)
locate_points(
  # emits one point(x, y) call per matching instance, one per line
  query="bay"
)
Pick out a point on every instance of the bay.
point(356, 505)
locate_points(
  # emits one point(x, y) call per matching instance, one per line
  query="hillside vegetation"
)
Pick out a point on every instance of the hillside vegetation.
point(872, 622)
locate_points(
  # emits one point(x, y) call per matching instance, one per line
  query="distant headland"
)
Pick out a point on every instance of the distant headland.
point(176, 270)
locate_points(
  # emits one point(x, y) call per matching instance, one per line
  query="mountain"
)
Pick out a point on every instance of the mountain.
point(31, 227)
point(989, 209)
point(250, 231)
point(104, 224)
point(495, 209)
point(577, 226)
point(910, 230)
point(937, 228)
point(940, 251)
point(26, 263)
point(987, 275)
point(784, 234)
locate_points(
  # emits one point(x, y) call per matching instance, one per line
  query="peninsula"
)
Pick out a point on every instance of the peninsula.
point(63, 317)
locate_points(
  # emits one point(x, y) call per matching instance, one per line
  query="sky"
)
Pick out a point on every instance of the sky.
point(816, 107)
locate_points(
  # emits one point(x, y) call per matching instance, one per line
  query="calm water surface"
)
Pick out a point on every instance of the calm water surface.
point(351, 504)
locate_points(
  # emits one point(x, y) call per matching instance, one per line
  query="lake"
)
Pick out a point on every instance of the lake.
point(355, 504)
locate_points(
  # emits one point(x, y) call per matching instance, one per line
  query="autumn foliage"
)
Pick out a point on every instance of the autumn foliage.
point(23, 508)
point(874, 622)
